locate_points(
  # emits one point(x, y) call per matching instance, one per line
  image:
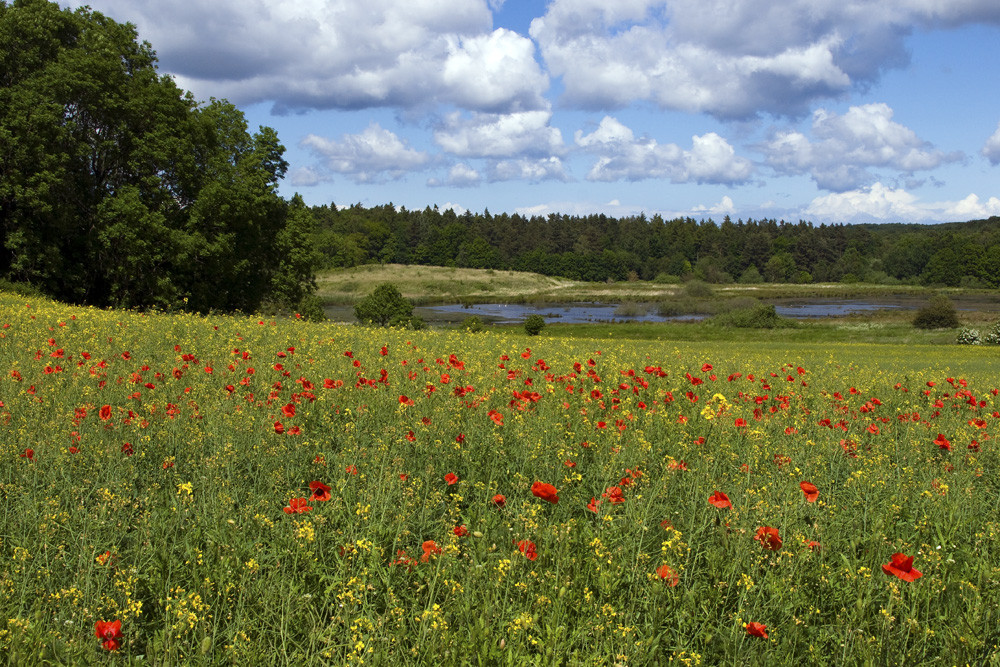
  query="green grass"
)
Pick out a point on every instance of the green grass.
point(182, 536)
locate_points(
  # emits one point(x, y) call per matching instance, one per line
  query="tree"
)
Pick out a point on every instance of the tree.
point(384, 306)
point(117, 188)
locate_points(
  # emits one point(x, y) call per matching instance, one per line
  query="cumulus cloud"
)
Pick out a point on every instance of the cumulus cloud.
point(324, 54)
point(374, 155)
point(621, 156)
point(460, 175)
point(524, 169)
point(991, 150)
point(732, 58)
point(526, 133)
point(879, 203)
point(847, 146)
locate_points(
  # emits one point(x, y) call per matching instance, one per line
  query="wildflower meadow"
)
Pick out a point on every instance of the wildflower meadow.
point(180, 489)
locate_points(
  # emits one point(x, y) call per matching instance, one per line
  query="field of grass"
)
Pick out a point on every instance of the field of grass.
point(251, 491)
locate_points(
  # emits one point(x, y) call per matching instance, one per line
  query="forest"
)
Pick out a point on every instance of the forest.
point(601, 248)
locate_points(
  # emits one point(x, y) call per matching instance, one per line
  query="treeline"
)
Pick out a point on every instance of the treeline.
point(119, 189)
point(600, 248)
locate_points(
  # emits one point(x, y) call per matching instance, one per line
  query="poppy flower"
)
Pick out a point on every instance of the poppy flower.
point(942, 442)
point(901, 566)
point(451, 478)
point(720, 500)
point(592, 505)
point(614, 494)
point(527, 547)
point(110, 634)
point(29, 454)
point(499, 500)
point(279, 427)
point(768, 538)
point(430, 548)
point(812, 493)
point(105, 413)
point(755, 629)
point(297, 506)
point(545, 491)
point(740, 422)
point(460, 531)
point(667, 574)
point(288, 410)
point(351, 470)
point(320, 491)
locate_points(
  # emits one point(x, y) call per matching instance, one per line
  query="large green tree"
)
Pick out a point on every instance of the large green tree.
point(117, 188)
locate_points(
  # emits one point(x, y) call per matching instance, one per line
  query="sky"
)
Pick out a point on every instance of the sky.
point(831, 111)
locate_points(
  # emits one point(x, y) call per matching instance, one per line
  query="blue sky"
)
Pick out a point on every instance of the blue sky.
point(823, 110)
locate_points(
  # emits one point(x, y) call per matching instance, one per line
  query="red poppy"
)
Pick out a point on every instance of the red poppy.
point(812, 493)
point(768, 538)
point(499, 500)
point(901, 566)
point(320, 491)
point(105, 413)
point(667, 574)
point(461, 531)
point(351, 470)
point(430, 548)
point(527, 547)
point(813, 545)
point(297, 506)
point(279, 427)
point(109, 632)
point(288, 410)
point(942, 442)
point(755, 629)
point(592, 505)
point(720, 500)
point(28, 454)
point(127, 449)
point(545, 491)
point(614, 494)
point(451, 478)
point(740, 422)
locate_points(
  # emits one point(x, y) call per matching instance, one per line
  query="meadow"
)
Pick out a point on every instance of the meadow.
point(180, 489)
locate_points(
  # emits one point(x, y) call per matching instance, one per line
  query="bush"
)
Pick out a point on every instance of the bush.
point(534, 325)
point(751, 276)
point(384, 306)
point(993, 337)
point(969, 337)
point(939, 313)
point(697, 289)
point(473, 324)
point(762, 316)
point(311, 308)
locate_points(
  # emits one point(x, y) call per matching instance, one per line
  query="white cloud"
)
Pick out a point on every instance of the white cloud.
point(307, 176)
point(500, 135)
point(879, 203)
point(991, 149)
point(732, 58)
point(371, 156)
point(847, 145)
point(340, 53)
point(544, 169)
point(623, 157)
point(461, 175)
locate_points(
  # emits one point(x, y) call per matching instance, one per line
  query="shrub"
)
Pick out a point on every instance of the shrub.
point(473, 324)
point(762, 316)
point(939, 313)
point(311, 308)
point(993, 337)
point(969, 337)
point(666, 279)
point(384, 306)
point(534, 325)
point(697, 289)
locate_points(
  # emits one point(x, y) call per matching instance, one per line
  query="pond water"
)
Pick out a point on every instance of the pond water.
point(582, 313)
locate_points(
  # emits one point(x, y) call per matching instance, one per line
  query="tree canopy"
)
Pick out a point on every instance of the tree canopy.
point(117, 188)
